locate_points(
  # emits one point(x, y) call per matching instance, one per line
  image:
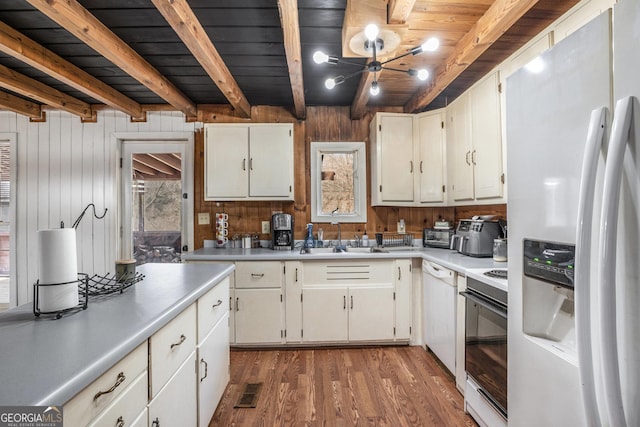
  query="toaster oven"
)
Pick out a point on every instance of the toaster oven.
point(436, 238)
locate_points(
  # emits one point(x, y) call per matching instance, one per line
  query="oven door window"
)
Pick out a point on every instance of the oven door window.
point(486, 351)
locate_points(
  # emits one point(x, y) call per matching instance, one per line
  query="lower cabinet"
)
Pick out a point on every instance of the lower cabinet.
point(371, 314)
point(213, 370)
point(258, 316)
point(176, 403)
point(324, 315)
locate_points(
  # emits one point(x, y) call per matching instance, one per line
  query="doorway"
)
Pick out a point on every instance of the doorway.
point(156, 198)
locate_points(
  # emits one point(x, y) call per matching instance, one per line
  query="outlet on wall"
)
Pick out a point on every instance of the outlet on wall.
point(203, 218)
point(265, 227)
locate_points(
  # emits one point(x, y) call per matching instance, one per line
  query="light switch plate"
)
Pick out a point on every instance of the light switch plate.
point(203, 218)
point(265, 227)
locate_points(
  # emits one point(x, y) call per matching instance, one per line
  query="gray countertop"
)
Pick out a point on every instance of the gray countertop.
point(46, 362)
point(445, 257)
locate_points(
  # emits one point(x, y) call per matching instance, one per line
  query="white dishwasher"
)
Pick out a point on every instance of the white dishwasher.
point(439, 312)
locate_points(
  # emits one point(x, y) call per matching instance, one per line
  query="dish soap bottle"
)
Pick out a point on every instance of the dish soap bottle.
point(309, 241)
point(365, 240)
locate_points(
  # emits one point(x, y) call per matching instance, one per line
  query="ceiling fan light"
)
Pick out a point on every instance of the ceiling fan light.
point(371, 32)
point(330, 83)
point(430, 45)
point(423, 74)
point(320, 57)
point(375, 89)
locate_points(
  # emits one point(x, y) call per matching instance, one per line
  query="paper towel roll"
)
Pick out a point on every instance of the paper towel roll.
point(57, 263)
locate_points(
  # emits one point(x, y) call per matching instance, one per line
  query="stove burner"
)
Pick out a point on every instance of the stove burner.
point(498, 274)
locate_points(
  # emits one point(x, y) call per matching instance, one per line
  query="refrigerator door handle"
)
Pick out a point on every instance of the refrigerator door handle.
point(595, 140)
point(620, 134)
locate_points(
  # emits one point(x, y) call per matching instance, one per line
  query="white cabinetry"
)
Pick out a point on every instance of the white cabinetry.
point(176, 403)
point(408, 162)
point(293, 301)
point(348, 301)
point(105, 392)
point(403, 292)
point(474, 141)
point(392, 159)
point(258, 302)
point(430, 152)
point(249, 162)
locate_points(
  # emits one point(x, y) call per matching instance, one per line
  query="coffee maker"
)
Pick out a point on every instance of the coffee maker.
point(282, 232)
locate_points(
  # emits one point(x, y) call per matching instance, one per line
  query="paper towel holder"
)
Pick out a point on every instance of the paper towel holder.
point(83, 294)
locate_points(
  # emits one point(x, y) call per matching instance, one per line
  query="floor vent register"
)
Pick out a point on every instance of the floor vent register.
point(249, 397)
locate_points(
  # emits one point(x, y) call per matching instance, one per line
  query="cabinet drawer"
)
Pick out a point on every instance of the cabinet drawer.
point(170, 346)
point(126, 407)
point(348, 273)
point(211, 307)
point(258, 274)
point(91, 401)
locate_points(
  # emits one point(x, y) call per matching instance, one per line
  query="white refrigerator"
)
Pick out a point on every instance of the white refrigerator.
point(573, 160)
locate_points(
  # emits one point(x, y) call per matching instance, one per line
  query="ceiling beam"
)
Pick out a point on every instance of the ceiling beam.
point(500, 16)
point(291, 30)
point(168, 159)
point(28, 51)
point(33, 89)
point(359, 105)
point(20, 105)
point(184, 22)
point(73, 17)
point(143, 169)
point(398, 11)
point(147, 160)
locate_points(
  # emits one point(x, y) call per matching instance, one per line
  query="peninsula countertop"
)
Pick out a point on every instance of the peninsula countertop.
point(445, 257)
point(46, 361)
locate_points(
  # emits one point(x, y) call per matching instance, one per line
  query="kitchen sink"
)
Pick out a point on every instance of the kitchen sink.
point(348, 249)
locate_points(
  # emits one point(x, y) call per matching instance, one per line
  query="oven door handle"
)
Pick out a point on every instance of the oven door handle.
point(485, 303)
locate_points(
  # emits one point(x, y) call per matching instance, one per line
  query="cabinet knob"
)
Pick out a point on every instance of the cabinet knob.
point(120, 421)
point(155, 423)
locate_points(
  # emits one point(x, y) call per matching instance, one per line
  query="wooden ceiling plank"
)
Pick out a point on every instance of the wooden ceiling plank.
point(288, 10)
point(144, 169)
point(33, 89)
point(168, 159)
point(149, 161)
point(186, 25)
point(399, 10)
point(20, 105)
point(26, 50)
point(500, 16)
point(359, 105)
point(73, 17)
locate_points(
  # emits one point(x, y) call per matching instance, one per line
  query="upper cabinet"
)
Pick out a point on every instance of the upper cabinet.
point(249, 161)
point(407, 158)
point(474, 141)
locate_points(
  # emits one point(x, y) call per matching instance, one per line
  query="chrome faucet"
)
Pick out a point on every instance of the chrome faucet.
point(339, 246)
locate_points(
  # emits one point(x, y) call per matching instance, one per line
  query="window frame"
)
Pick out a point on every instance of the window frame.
point(359, 177)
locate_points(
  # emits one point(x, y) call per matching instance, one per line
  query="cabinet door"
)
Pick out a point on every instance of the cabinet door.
point(213, 370)
point(258, 316)
point(371, 313)
point(430, 140)
point(271, 161)
point(460, 171)
point(487, 138)
point(293, 301)
point(226, 162)
point(403, 304)
point(176, 403)
point(324, 315)
point(396, 158)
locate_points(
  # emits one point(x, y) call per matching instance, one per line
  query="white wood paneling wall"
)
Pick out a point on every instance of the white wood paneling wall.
point(63, 165)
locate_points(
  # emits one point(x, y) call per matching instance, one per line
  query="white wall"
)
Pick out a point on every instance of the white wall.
point(63, 165)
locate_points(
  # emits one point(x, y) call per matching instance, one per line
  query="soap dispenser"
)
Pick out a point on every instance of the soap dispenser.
point(309, 240)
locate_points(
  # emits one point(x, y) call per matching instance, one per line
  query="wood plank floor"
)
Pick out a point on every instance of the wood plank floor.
point(372, 386)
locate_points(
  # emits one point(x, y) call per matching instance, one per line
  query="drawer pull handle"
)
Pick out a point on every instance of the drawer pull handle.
point(258, 275)
point(155, 423)
point(206, 369)
point(219, 303)
point(182, 339)
point(344, 302)
point(120, 421)
point(119, 380)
